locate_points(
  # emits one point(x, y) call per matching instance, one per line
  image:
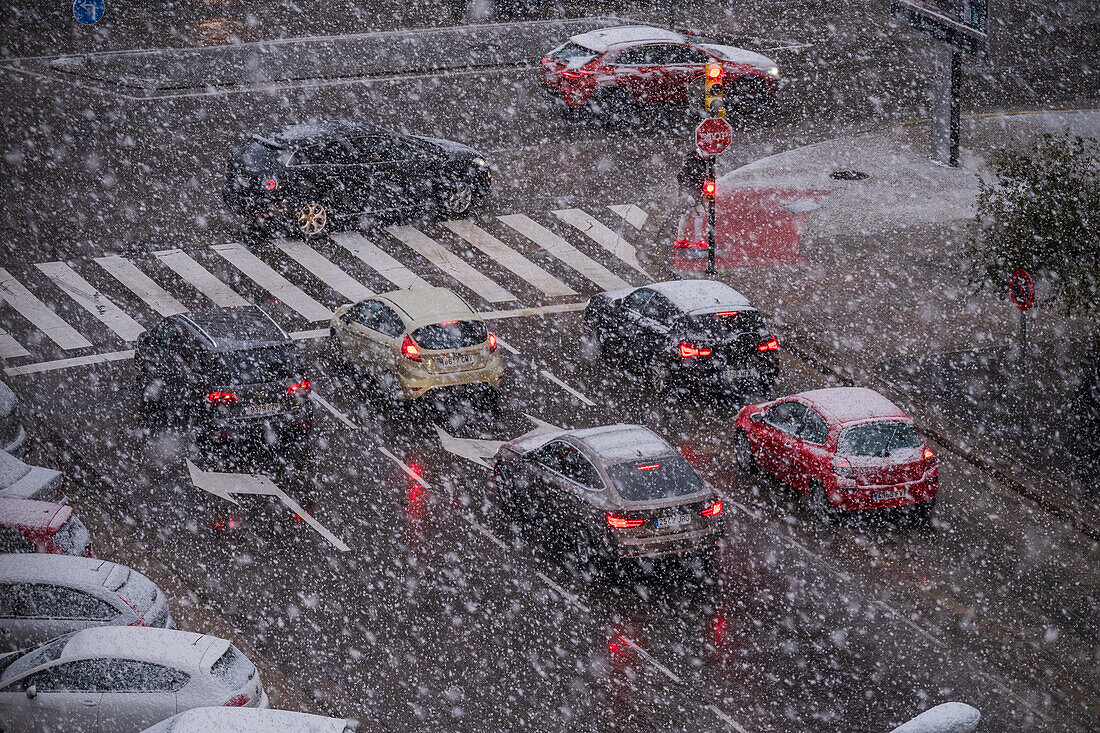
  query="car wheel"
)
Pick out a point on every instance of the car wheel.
point(616, 108)
point(459, 197)
point(660, 379)
point(820, 505)
point(310, 220)
point(750, 95)
point(742, 453)
point(923, 511)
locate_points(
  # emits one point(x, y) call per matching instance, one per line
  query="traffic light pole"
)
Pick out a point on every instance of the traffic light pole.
point(711, 249)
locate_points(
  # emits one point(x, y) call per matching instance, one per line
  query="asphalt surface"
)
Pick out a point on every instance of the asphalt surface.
point(443, 614)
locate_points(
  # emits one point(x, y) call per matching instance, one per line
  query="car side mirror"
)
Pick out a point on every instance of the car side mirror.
point(617, 303)
point(756, 418)
point(32, 692)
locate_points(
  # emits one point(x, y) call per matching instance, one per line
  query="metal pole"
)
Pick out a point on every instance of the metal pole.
point(956, 81)
point(942, 104)
point(711, 269)
point(1023, 336)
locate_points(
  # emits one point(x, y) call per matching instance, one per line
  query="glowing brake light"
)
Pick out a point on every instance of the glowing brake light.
point(222, 398)
point(772, 344)
point(688, 243)
point(723, 314)
point(448, 323)
point(577, 73)
point(492, 343)
point(409, 350)
point(649, 467)
point(616, 522)
point(713, 510)
point(236, 702)
point(302, 386)
point(709, 187)
point(271, 184)
point(689, 350)
point(842, 468)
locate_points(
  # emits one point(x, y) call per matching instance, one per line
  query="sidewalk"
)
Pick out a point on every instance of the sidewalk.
point(876, 290)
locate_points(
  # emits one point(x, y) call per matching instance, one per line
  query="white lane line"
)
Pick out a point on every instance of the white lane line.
point(450, 263)
point(602, 235)
point(141, 285)
point(76, 361)
point(379, 261)
point(509, 258)
point(567, 388)
point(485, 532)
point(91, 300)
point(727, 718)
point(911, 624)
point(404, 467)
point(39, 314)
point(634, 216)
point(539, 311)
point(649, 658)
point(200, 278)
point(507, 346)
point(324, 270)
point(10, 348)
point(564, 251)
point(314, 333)
point(335, 413)
point(282, 289)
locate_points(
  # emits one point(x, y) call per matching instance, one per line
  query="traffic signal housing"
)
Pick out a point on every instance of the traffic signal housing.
point(713, 78)
point(710, 188)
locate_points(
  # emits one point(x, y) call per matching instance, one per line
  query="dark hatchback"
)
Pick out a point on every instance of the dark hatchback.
point(306, 178)
point(233, 371)
point(696, 335)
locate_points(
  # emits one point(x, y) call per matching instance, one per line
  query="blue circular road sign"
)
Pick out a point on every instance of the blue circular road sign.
point(88, 11)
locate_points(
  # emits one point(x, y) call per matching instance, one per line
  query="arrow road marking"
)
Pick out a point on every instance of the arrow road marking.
point(224, 485)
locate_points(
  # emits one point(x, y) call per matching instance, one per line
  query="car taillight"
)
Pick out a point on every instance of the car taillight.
point(222, 398)
point(577, 73)
point(616, 522)
point(409, 350)
point(302, 387)
point(689, 350)
point(724, 314)
point(271, 184)
point(689, 243)
point(772, 344)
point(236, 702)
point(713, 510)
point(842, 468)
point(492, 343)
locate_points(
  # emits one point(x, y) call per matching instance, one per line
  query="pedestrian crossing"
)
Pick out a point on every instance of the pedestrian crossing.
point(512, 261)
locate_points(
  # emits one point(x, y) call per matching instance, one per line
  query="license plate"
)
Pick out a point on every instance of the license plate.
point(265, 408)
point(892, 494)
point(456, 360)
point(737, 374)
point(676, 520)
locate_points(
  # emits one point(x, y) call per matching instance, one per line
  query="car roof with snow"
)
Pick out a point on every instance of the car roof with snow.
point(622, 443)
point(852, 404)
point(605, 38)
point(305, 132)
point(700, 296)
point(27, 514)
point(250, 720)
point(737, 55)
point(179, 649)
point(65, 570)
point(235, 327)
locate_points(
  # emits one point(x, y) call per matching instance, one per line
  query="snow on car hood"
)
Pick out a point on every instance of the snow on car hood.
point(449, 146)
point(739, 55)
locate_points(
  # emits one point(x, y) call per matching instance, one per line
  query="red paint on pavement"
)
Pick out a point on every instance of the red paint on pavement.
point(755, 227)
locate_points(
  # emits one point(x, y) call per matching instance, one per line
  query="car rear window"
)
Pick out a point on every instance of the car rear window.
point(452, 335)
point(878, 439)
point(233, 669)
point(138, 591)
point(730, 323)
point(664, 478)
point(573, 53)
point(270, 364)
point(73, 537)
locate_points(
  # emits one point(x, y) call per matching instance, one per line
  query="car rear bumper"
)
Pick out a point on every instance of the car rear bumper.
point(664, 545)
point(863, 497)
point(418, 384)
point(732, 378)
point(290, 423)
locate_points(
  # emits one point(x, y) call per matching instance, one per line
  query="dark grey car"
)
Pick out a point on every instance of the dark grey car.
point(620, 489)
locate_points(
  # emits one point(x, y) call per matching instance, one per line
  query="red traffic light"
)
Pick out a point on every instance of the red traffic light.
point(709, 189)
point(714, 71)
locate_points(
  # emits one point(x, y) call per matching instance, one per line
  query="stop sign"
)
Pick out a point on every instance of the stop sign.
point(713, 135)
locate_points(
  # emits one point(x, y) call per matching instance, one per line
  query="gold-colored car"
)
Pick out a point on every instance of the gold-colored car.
point(410, 342)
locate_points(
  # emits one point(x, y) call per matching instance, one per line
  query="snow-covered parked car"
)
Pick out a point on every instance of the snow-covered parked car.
point(116, 679)
point(45, 596)
point(12, 434)
point(42, 526)
point(19, 480)
point(248, 720)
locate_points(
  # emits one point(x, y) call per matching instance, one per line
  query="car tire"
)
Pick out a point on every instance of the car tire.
point(820, 505)
point(310, 220)
point(660, 379)
point(616, 108)
point(460, 196)
point(923, 512)
point(742, 453)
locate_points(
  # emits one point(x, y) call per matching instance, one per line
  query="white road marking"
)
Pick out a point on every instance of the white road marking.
point(404, 467)
point(562, 592)
point(602, 235)
point(141, 285)
point(509, 258)
point(539, 311)
point(325, 271)
point(10, 348)
point(508, 347)
point(379, 261)
point(282, 289)
point(91, 300)
point(450, 263)
point(567, 388)
point(564, 251)
point(335, 413)
point(726, 717)
point(200, 278)
point(76, 361)
point(649, 658)
point(39, 314)
point(314, 333)
point(485, 532)
point(476, 450)
point(634, 216)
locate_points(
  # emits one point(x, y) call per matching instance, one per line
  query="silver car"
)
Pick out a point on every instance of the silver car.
point(620, 489)
point(43, 596)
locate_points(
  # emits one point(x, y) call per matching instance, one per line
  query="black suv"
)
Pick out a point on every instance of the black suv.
point(307, 177)
point(687, 334)
point(233, 370)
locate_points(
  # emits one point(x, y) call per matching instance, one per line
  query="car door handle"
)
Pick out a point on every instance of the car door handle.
point(89, 703)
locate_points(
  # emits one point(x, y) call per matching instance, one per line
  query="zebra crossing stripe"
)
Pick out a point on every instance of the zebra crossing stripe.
point(450, 263)
point(93, 301)
point(200, 278)
point(379, 261)
point(325, 271)
point(633, 215)
point(282, 289)
point(10, 348)
point(564, 251)
point(509, 258)
point(602, 235)
point(141, 285)
point(39, 314)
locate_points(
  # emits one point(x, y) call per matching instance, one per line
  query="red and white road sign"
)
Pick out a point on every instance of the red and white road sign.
point(713, 135)
point(1021, 289)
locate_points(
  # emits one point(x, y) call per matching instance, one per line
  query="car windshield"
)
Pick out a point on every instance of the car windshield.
point(270, 364)
point(233, 669)
point(878, 439)
point(573, 53)
point(48, 652)
point(663, 478)
point(257, 155)
point(73, 537)
point(451, 335)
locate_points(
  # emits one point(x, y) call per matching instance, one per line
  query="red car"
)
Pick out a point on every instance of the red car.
point(846, 447)
point(42, 526)
point(638, 63)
